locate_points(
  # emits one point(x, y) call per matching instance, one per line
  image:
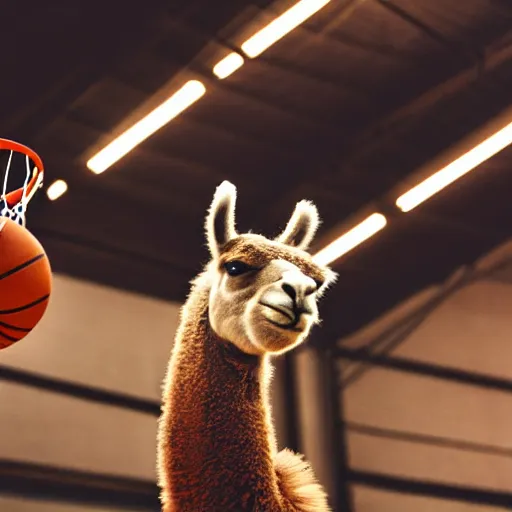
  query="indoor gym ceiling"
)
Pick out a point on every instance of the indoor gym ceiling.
point(340, 111)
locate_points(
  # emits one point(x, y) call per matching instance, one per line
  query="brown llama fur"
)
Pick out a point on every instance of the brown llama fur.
point(216, 447)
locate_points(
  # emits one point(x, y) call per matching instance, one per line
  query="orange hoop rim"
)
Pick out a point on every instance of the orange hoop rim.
point(14, 197)
point(10, 145)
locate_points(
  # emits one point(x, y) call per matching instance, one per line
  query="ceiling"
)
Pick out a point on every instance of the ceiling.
point(340, 111)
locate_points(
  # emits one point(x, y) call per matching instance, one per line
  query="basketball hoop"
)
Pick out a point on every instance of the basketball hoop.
point(13, 205)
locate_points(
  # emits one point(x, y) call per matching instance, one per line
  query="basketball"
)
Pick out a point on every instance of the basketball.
point(25, 282)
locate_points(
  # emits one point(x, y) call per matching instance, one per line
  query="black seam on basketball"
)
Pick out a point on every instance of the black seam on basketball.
point(14, 327)
point(22, 308)
point(8, 338)
point(22, 266)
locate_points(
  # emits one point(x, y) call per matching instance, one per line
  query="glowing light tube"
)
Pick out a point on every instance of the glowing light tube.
point(141, 130)
point(458, 168)
point(351, 239)
point(281, 26)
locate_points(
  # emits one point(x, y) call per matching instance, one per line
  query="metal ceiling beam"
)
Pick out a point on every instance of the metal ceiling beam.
point(268, 146)
point(26, 480)
point(384, 129)
point(79, 391)
point(172, 269)
point(441, 491)
point(345, 13)
point(108, 266)
point(419, 438)
point(473, 55)
point(214, 45)
point(436, 371)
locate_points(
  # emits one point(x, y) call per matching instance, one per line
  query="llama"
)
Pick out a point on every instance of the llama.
point(255, 299)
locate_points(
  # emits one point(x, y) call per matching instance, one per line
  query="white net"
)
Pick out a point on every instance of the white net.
point(15, 209)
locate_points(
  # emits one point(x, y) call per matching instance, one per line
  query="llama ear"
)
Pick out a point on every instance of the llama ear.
point(220, 221)
point(301, 227)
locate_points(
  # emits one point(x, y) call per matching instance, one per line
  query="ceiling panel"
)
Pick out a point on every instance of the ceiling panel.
point(340, 112)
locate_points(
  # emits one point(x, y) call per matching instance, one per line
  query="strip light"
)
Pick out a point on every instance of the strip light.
point(281, 26)
point(160, 116)
point(228, 65)
point(194, 90)
point(57, 189)
point(458, 168)
point(351, 239)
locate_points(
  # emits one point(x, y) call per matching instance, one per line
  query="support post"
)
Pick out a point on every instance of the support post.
point(322, 431)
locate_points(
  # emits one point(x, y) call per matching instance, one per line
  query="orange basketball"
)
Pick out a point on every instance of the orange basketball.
point(25, 282)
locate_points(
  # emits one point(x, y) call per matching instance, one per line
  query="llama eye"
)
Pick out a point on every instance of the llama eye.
point(237, 268)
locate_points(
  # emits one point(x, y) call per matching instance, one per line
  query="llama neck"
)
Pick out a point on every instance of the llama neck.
point(216, 428)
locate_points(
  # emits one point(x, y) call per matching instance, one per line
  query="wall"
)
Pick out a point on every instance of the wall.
point(399, 424)
point(422, 428)
point(99, 337)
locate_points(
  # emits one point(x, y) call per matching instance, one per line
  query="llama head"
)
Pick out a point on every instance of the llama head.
point(263, 293)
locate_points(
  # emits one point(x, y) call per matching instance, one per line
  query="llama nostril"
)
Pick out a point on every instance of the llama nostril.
point(289, 290)
point(309, 290)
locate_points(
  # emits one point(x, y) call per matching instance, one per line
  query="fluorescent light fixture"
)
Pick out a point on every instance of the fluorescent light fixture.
point(458, 168)
point(351, 239)
point(141, 130)
point(57, 189)
point(228, 65)
point(281, 26)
